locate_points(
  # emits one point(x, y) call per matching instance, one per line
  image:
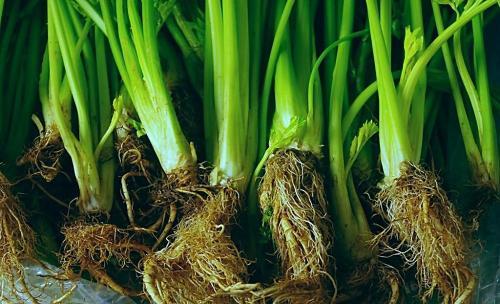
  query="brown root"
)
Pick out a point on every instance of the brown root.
point(299, 290)
point(170, 193)
point(363, 275)
point(292, 195)
point(167, 194)
point(102, 277)
point(166, 229)
point(394, 285)
point(202, 265)
point(131, 152)
point(89, 247)
point(44, 155)
point(17, 240)
point(167, 190)
point(94, 244)
point(372, 282)
point(429, 232)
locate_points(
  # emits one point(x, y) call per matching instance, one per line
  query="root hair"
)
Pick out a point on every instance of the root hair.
point(89, 245)
point(202, 265)
point(429, 233)
point(17, 241)
point(292, 196)
point(44, 156)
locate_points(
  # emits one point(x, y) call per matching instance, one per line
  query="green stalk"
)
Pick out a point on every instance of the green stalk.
point(27, 93)
point(394, 143)
point(1, 10)
point(232, 93)
point(5, 44)
point(488, 140)
point(71, 144)
point(411, 83)
point(416, 123)
point(188, 33)
point(470, 145)
point(90, 11)
point(331, 34)
point(256, 15)
point(75, 74)
point(137, 57)
point(339, 85)
point(303, 55)
point(104, 153)
point(209, 113)
point(290, 109)
point(15, 73)
point(268, 78)
point(386, 24)
point(214, 44)
point(257, 9)
point(89, 81)
point(229, 45)
point(351, 226)
point(312, 138)
point(356, 106)
point(233, 106)
point(94, 174)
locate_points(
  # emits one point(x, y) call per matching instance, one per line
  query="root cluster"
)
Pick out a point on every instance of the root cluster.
point(89, 247)
point(202, 265)
point(17, 239)
point(44, 155)
point(292, 196)
point(429, 233)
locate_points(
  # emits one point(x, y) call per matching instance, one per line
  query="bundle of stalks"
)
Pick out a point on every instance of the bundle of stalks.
point(419, 215)
point(202, 264)
point(134, 44)
point(482, 153)
point(273, 209)
point(84, 84)
point(291, 194)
